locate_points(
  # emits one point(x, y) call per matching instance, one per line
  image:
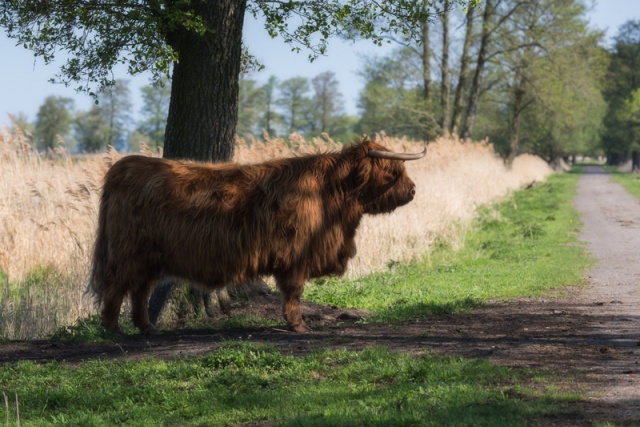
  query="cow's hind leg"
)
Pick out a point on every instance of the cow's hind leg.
point(139, 308)
point(292, 288)
point(111, 311)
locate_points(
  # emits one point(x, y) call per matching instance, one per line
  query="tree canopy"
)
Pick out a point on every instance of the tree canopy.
point(53, 121)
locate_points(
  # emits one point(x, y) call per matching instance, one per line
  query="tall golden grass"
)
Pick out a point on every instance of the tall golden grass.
point(48, 211)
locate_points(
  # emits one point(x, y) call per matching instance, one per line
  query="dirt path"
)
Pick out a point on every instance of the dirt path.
point(612, 231)
point(591, 337)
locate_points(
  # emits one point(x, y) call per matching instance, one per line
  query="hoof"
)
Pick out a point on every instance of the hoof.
point(113, 330)
point(301, 328)
point(149, 330)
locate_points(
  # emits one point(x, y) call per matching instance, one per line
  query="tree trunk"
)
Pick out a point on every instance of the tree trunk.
point(427, 119)
point(203, 114)
point(426, 65)
point(203, 111)
point(472, 105)
point(445, 85)
point(516, 119)
point(456, 114)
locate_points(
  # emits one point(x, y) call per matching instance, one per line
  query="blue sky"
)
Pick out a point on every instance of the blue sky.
point(24, 80)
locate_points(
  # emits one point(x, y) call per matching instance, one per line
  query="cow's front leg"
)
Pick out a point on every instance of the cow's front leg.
point(292, 288)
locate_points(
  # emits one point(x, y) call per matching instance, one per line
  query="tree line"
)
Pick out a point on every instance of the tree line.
point(109, 122)
point(529, 75)
point(302, 105)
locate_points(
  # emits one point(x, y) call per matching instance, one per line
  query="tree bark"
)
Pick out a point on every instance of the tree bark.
point(516, 119)
point(427, 120)
point(445, 85)
point(426, 65)
point(203, 112)
point(456, 114)
point(472, 105)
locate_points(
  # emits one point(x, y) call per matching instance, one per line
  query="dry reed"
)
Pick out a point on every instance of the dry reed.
point(48, 209)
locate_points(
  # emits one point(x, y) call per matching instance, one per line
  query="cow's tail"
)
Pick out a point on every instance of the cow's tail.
point(98, 285)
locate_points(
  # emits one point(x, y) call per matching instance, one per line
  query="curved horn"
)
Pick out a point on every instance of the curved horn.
point(396, 156)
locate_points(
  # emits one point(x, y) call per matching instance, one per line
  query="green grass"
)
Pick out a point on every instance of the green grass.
point(244, 383)
point(524, 246)
point(630, 181)
point(90, 329)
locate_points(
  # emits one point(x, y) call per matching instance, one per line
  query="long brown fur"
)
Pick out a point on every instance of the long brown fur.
point(220, 224)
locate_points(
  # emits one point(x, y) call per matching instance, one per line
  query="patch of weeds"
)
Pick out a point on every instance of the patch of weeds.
point(90, 329)
point(529, 229)
point(41, 275)
point(37, 304)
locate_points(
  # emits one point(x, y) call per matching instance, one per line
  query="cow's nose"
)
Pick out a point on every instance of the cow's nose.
point(413, 191)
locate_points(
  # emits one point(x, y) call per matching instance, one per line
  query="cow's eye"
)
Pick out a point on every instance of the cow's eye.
point(387, 177)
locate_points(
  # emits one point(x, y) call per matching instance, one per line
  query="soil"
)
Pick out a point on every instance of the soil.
point(589, 335)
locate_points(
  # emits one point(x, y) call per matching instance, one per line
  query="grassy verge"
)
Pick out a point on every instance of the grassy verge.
point(630, 181)
point(243, 383)
point(525, 246)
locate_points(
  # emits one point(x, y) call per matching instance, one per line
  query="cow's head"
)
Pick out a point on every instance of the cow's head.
point(381, 179)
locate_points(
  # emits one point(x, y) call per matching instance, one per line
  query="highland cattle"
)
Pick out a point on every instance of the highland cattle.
point(222, 224)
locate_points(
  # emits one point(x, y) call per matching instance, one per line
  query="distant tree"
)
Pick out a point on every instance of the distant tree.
point(155, 107)
point(328, 100)
point(629, 117)
point(138, 139)
point(269, 117)
point(116, 106)
point(424, 52)
point(445, 81)
point(295, 104)
point(469, 118)
point(463, 75)
point(91, 129)
point(248, 107)
point(428, 56)
point(551, 58)
point(622, 82)
point(53, 121)
point(392, 99)
point(345, 128)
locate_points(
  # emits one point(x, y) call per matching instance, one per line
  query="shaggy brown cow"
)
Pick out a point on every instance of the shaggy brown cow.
point(218, 224)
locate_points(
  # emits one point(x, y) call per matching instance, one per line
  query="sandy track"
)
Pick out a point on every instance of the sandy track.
point(611, 219)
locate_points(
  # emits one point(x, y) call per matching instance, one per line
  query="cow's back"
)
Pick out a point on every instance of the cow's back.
point(221, 224)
